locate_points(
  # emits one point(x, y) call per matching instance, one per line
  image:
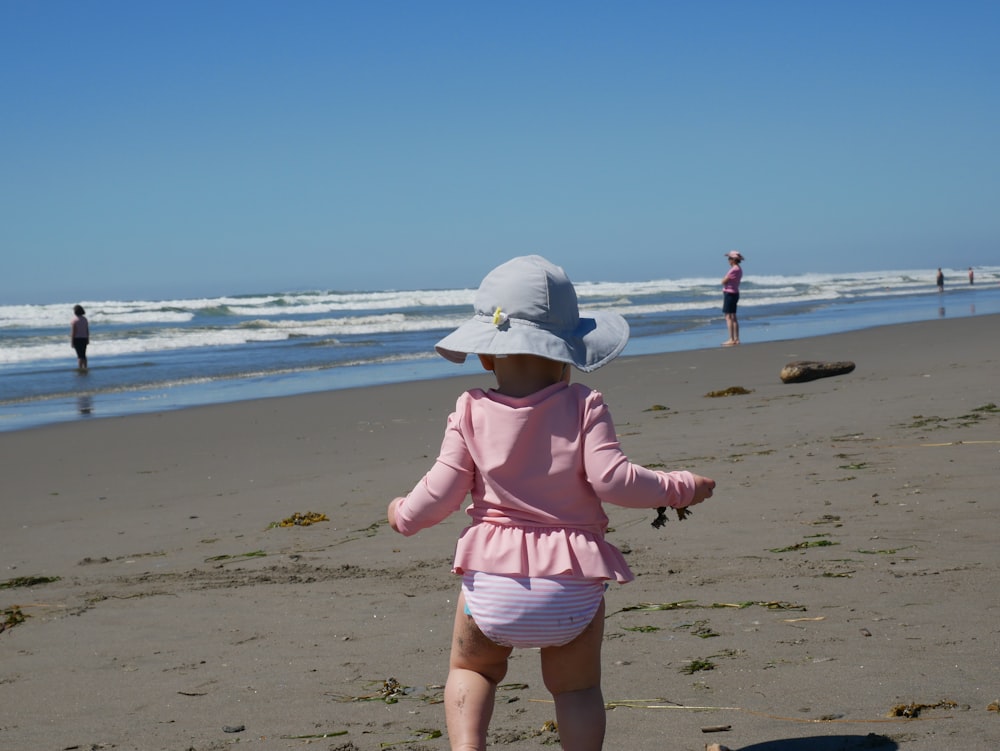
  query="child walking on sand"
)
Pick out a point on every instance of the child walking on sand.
point(538, 457)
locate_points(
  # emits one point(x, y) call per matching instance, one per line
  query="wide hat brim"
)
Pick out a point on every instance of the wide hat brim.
point(598, 338)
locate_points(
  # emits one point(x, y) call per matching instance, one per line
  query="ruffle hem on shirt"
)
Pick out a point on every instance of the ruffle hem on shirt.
point(539, 551)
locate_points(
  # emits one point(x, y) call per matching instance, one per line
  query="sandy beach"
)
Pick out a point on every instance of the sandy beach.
point(839, 592)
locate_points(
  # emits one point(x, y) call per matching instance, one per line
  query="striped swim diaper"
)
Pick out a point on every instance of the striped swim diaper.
point(526, 611)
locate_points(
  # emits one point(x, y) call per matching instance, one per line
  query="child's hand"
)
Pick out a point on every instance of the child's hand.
point(392, 514)
point(703, 488)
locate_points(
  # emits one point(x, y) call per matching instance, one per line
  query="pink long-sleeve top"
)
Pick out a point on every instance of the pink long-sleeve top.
point(538, 469)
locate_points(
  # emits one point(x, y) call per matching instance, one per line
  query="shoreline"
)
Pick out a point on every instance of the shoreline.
point(847, 564)
point(105, 391)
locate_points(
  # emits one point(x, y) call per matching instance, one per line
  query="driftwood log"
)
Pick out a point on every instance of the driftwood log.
point(810, 370)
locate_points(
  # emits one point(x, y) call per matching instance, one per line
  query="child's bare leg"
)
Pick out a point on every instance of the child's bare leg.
point(572, 674)
point(477, 665)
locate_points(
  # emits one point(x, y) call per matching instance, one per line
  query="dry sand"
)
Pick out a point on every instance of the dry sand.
point(847, 565)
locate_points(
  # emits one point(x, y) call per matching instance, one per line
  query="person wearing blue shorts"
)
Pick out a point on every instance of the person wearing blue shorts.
point(731, 296)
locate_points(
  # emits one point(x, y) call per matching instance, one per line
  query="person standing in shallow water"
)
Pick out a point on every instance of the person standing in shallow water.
point(731, 296)
point(79, 334)
point(940, 280)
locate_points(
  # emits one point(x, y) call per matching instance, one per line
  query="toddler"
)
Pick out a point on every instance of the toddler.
point(538, 456)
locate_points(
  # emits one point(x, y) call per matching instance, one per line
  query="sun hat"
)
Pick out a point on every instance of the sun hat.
point(735, 254)
point(528, 306)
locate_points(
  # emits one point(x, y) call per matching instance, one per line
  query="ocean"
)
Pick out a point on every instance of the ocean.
point(156, 355)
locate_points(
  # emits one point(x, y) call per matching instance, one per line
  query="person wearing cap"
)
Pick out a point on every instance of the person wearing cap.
point(731, 296)
point(538, 456)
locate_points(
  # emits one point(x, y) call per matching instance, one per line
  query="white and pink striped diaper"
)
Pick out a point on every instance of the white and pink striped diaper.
point(525, 611)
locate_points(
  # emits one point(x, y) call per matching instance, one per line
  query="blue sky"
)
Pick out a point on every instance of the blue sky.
point(171, 149)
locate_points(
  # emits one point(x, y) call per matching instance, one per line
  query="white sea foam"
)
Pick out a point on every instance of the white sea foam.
point(30, 333)
point(784, 288)
point(245, 332)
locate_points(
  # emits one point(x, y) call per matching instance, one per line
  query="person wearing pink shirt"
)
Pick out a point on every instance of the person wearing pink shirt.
point(731, 296)
point(538, 456)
